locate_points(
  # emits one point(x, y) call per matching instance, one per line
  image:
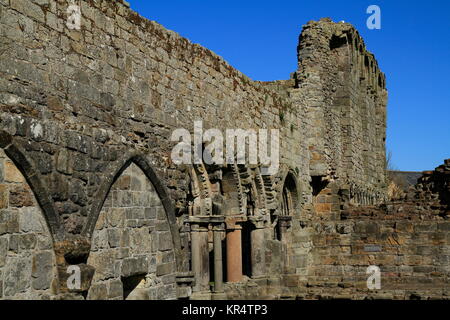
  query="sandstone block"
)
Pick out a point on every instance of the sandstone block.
point(164, 268)
point(27, 241)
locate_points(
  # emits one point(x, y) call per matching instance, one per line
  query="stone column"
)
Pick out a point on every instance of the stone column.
point(234, 251)
point(218, 261)
point(200, 256)
point(258, 256)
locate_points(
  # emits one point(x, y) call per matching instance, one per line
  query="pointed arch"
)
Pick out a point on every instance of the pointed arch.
point(114, 172)
point(231, 183)
point(34, 180)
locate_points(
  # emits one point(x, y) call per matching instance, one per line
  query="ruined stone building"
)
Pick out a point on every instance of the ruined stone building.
point(87, 180)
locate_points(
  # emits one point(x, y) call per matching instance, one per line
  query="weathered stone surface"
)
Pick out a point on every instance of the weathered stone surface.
point(165, 241)
point(3, 250)
point(124, 241)
point(24, 240)
point(30, 221)
point(27, 241)
point(98, 291)
point(42, 270)
point(163, 269)
point(115, 289)
point(106, 261)
point(16, 276)
point(134, 266)
point(88, 119)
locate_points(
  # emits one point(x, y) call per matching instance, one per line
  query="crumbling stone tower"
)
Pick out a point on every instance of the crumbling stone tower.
point(87, 180)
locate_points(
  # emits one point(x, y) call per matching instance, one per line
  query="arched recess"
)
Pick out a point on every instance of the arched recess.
point(289, 195)
point(113, 173)
point(34, 180)
point(27, 258)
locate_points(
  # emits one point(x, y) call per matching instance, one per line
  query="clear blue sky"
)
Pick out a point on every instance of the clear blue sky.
point(413, 48)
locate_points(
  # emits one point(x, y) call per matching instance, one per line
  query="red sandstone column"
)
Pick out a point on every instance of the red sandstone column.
point(234, 252)
point(218, 263)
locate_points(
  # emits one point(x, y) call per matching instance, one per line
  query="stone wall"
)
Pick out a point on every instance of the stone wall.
point(87, 117)
point(27, 259)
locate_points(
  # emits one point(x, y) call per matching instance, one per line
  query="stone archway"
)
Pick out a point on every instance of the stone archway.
point(132, 247)
point(289, 197)
point(27, 258)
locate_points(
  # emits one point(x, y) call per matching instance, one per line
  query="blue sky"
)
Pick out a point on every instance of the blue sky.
point(413, 48)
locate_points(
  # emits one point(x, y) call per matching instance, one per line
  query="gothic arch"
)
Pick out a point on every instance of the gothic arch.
point(34, 180)
point(115, 170)
point(288, 193)
point(248, 189)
